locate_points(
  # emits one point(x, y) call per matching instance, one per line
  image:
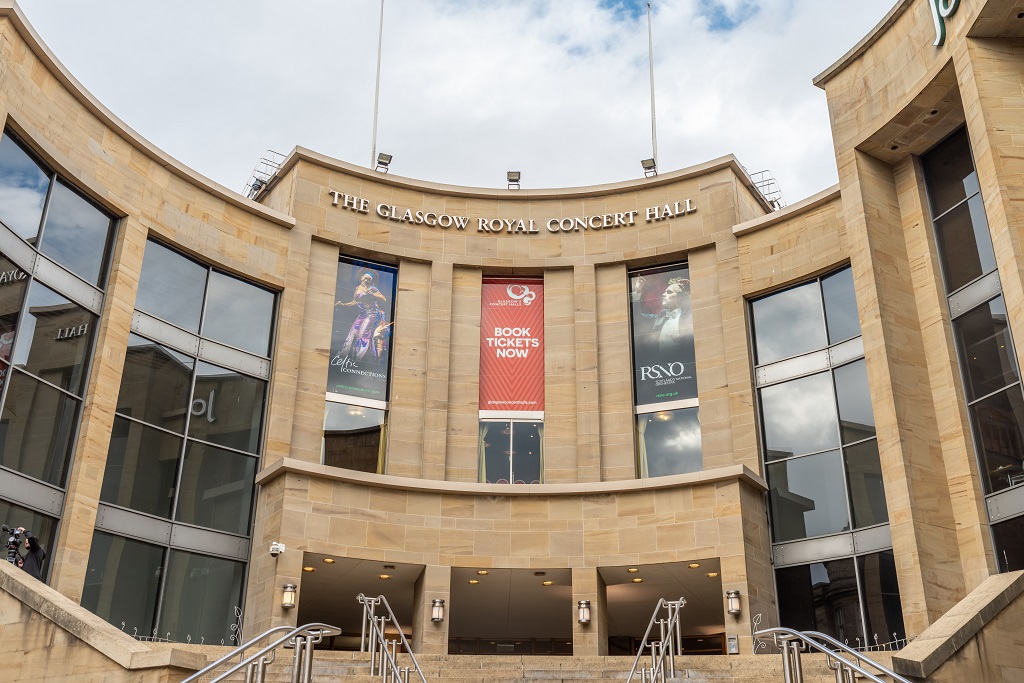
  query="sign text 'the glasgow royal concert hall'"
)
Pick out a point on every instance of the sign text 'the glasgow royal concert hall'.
point(523, 226)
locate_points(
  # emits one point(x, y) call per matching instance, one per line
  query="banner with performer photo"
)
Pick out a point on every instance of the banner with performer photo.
point(662, 321)
point(364, 305)
point(512, 345)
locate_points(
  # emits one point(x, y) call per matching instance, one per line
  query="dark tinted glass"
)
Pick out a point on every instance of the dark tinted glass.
point(171, 287)
point(238, 314)
point(155, 384)
point(527, 452)
point(216, 488)
point(799, 417)
point(202, 600)
point(42, 527)
point(789, 323)
point(986, 351)
point(867, 493)
point(840, 306)
point(13, 281)
point(352, 437)
point(1009, 544)
point(998, 421)
point(23, 186)
point(36, 427)
point(227, 408)
point(807, 497)
point(965, 245)
point(495, 452)
point(142, 464)
point(55, 339)
point(949, 172)
point(76, 234)
point(669, 442)
point(122, 582)
point(856, 419)
point(881, 598)
point(821, 597)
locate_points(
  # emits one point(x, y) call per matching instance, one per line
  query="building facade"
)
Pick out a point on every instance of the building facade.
point(517, 400)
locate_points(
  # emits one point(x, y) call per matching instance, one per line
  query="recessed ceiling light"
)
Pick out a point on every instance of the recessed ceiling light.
point(328, 560)
point(309, 569)
point(637, 580)
point(384, 577)
point(482, 572)
point(712, 575)
point(389, 566)
point(473, 582)
point(547, 583)
point(633, 570)
point(540, 573)
point(694, 565)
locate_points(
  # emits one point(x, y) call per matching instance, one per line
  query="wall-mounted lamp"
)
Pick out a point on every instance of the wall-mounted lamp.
point(583, 612)
point(383, 161)
point(650, 167)
point(437, 610)
point(513, 179)
point(288, 597)
point(733, 602)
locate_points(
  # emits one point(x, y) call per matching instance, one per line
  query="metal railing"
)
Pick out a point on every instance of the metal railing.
point(301, 638)
point(794, 643)
point(667, 646)
point(384, 651)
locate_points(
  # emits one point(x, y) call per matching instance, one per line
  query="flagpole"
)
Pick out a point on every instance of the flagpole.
point(376, 89)
point(650, 57)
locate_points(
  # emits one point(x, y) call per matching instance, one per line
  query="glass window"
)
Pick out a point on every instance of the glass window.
point(821, 597)
point(155, 384)
point(142, 466)
point(36, 427)
point(986, 351)
point(511, 452)
point(44, 528)
point(216, 488)
point(856, 419)
point(997, 425)
point(56, 336)
point(807, 497)
point(353, 437)
point(965, 245)
point(76, 234)
point(949, 168)
point(23, 188)
point(881, 598)
point(238, 314)
point(669, 442)
point(13, 281)
point(1009, 544)
point(799, 417)
point(789, 323)
point(227, 408)
point(840, 306)
point(867, 493)
point(171, 287)
point(122, 582)
point(202, 599)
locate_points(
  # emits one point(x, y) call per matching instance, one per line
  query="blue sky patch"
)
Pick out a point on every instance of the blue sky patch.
point(721, 19)
point(625, 8)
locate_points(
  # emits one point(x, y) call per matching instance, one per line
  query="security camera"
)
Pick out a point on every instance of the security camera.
point(276, 549)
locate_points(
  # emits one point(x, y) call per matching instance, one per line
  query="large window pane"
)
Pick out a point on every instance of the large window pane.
point(13, 281)
point(76, 234)
point(216, 488)
point(527, 452)
point(867, 493)
point(986, 351)
point(789, 323)
point(36, 427)
point(155, 384)
point(238, 314)
point(142, 464)
point(949, 169)
point(965, 245)
point(42, 527)
point(821, 597)
point(495, 452)
point(669, 442)
point(1009, 544)
point(840, 306)
point(23, 186)
point(122, 582)
point(856, 419)
point(881, 597)
point(998, 421)
point(799, 417)
point(171, 287)
point(227, 408)
point(807, 497)
point(352, 437)
point(55, 339)
point(202, 600)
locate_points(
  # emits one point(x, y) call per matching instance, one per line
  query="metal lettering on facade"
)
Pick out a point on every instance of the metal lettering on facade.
point(942, 10)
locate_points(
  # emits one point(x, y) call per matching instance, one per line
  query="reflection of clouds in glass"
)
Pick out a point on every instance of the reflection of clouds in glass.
point(808, 497)
point(673, 446)
point(75, 234)
point(22, 208)
point(789, 323)
point(340, 417)
point(238, 314)
point(854, 402)
point(171, 287)
point(799, 416)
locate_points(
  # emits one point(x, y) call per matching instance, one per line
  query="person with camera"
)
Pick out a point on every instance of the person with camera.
point(34, 555)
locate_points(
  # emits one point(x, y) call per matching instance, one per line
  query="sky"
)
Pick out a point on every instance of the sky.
point(469, 89)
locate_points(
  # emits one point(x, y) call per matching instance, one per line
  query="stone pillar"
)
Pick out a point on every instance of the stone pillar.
point(589, 639)
point(431, 637)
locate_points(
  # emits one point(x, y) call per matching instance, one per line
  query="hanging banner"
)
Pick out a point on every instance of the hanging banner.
point(361, 336)
point(512, 345)
point(662, 318)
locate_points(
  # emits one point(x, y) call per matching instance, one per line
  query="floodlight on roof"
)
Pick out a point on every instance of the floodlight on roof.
point(650, 167)
point(513, 179)
point(383, 161)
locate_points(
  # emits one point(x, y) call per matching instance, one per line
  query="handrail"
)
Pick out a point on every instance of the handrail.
point(791, 636)
point(378, 636)
point(311, 633)
point(670, 630)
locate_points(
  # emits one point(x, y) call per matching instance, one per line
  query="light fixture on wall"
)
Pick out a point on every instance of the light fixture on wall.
point(513, 179)
point(650, 167)
point(583, 612)
point(288, 596)
point(383, 161)
point(733, 602)
point(437, 610)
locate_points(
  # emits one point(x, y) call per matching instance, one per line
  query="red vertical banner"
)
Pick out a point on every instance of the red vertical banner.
point(512, 345)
